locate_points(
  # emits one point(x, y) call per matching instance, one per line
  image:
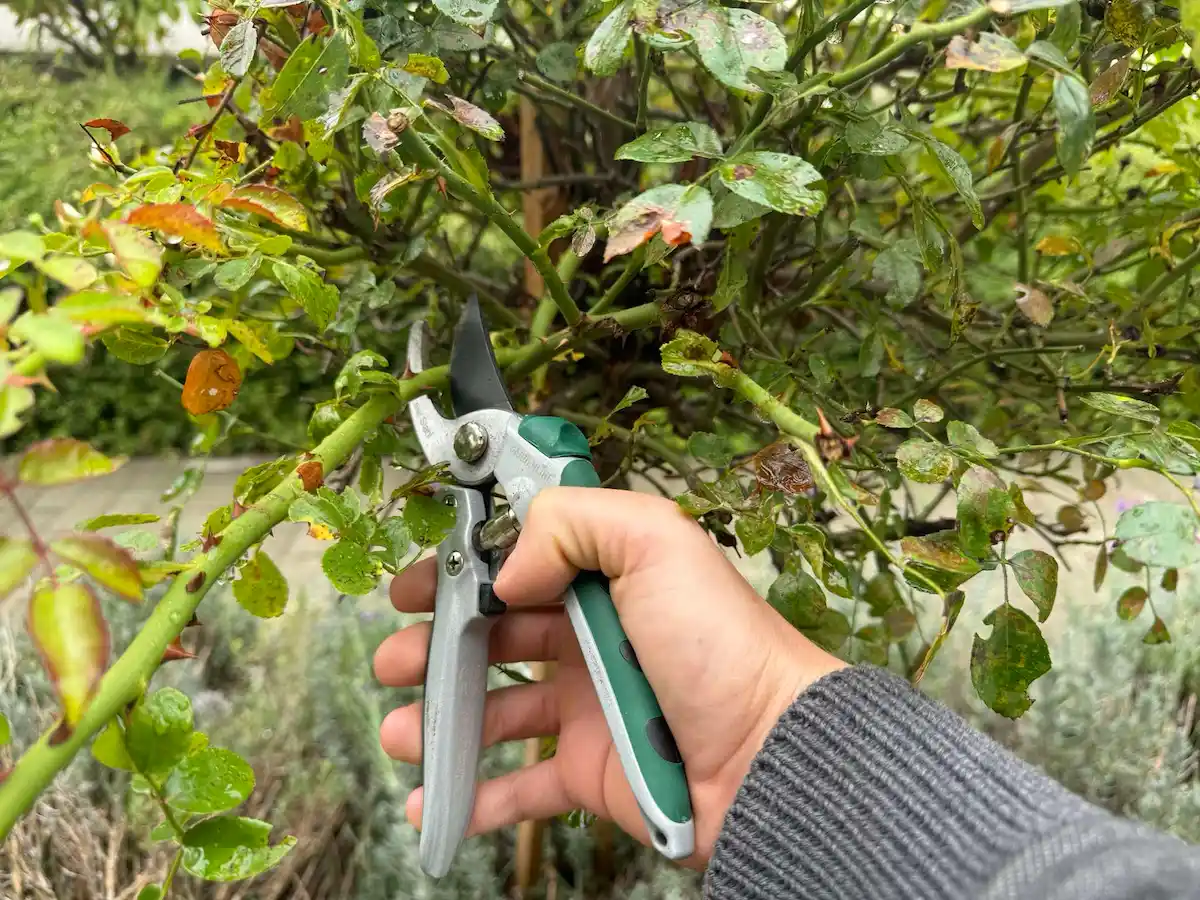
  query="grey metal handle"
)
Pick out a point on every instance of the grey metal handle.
point(455, 687)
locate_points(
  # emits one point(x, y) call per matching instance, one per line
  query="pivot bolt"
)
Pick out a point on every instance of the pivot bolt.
point(454, 563)
point(470, 442)
point(499, 532)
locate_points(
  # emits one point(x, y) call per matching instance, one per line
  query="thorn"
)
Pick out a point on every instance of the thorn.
point(176, 650)
point(194, 622)
point(195, 583)
point(61, 734)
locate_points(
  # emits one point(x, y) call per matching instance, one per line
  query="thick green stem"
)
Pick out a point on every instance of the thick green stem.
point(643, 85)
point(415, 145)
point(632, 267)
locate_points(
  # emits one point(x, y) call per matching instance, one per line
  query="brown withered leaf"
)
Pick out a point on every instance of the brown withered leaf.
point(233, 151)
point(378, 135)
point(312, 476)
point(291, 130)
point(1109, 82)
point(114, 128)
point(780, 467)
point(1034, 304)
point(219, 24)
point(213, 381)
point(990, 53)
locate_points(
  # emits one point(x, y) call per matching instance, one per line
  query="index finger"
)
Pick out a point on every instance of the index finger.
point(414, 589)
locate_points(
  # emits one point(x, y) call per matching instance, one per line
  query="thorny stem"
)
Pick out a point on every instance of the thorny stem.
point(39, 546)
point(575, 100)
point(642, 54)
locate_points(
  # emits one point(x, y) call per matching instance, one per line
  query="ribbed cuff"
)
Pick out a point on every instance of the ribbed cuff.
point(865, 788)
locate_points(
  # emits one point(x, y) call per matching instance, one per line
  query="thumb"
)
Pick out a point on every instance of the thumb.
point(610, 531)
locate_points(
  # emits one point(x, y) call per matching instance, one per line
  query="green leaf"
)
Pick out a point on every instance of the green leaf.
point(210, 781)
point(893, 418)
point(109, 748)
point(985, 510)
point(14, 401)
point(231, 848)
point(107, 563)
point(75, 273)
point(1067, 23)
point(1131, 603)
point(681, 214)
point(258, 481)
point(675, 143)
point(159, 733)
point(150, 892)
point(473, 13)
point(755, 532)
point(1047, 53)
point(869, 137)
point(1158, 533)
point(261, 589)
point(135, 345)
point(731, 210)
point(238, 47)
point(340, 513)
point(811, 541)
point(21, 246)
point(683, 354)
point(959, 173)
point(1128, 21)
point(1120, 405)
point(899, 622)
point(882, 594)
point(358, 369)
point(236, 273)
point(394, 542)
point(606, 47)
point(1005, 664)
point(17, 559)
point(318, 299)
point(696, 504)
point(1100, 569)
point(63, 460)
point(314, 70)
point(925, 461)
point(5, 731)
point(558, 62)
point(350, 569)
point(102, 308)
point(710, 449)
point(776, 180)
point(967, 436)
point(1076, 122)
point(138, 539)
point(927, 411)
point(139, 257)
point(733, 41)
point(899, 267)
point(1037, 576)
point(940, 558)
point(366, 52)
point(429, 520)
point(798, 598)
point(51, 334)
point(735, 265)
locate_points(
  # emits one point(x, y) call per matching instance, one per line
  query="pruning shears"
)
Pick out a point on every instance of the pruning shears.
point(488, 443)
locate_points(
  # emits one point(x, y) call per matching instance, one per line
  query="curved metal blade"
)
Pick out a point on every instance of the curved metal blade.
point(476, 381)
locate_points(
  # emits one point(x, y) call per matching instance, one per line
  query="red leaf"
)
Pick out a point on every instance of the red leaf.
point(275, 54)
point(114, 128)
point(270, 202)
point(311, 474)
point(110, 565)
point(213, 381)
point(72, 637)
point(177, 219)
point(219, 24)
point(291, 130)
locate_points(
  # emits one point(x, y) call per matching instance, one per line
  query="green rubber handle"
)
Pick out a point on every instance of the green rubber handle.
point(643, 740)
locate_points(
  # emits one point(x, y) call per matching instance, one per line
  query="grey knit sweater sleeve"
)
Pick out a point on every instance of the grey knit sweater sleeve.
point(867, 789)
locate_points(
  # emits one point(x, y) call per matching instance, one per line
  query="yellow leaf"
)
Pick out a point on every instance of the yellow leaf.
point(1058, 245)
point(320, 532)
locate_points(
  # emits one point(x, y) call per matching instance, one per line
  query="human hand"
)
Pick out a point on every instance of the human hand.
point(723, 663)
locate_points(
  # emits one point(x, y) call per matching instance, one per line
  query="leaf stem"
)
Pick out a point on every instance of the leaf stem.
point(499, 216)
point(642, 55)
point(1168, 278)
point(630, 272)
point(575, 100)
